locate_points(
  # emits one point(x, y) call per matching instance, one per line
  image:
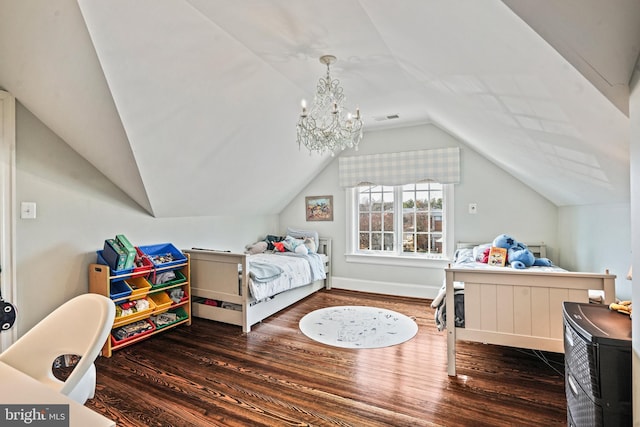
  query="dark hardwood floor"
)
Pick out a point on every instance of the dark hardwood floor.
point(210, 374)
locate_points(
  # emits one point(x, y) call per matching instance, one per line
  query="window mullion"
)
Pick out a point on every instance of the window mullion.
point(398, 216)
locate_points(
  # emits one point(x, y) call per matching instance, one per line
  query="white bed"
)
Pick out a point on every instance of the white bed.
point(517, 308)
point(227, 277)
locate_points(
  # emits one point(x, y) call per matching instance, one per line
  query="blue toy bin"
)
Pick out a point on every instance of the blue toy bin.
point(154, 252)
point(119, 289)
point(123, 272)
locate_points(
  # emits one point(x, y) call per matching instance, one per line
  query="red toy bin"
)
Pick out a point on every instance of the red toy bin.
point(117, 342)
point(145, 267)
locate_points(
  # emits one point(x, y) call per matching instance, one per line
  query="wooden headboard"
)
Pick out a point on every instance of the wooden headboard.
point(539, 250)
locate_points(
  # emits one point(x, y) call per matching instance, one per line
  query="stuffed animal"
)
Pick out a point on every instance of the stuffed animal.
point(624, 307)
point(256, 248)
point(518, 254)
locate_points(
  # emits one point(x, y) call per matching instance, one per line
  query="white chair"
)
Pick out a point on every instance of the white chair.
point(80, 326)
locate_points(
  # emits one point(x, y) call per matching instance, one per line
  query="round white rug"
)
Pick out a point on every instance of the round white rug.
point(358, 327)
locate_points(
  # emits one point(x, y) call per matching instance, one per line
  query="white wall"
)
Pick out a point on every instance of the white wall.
point(596, 238)
point(77, 208)
point(505, 205)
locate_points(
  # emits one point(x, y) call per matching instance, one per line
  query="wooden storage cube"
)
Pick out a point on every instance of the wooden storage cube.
point(162, 302)
point(139, 286)
point(104, 281)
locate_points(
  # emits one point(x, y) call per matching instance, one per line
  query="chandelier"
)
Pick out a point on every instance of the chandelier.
point(327, 126)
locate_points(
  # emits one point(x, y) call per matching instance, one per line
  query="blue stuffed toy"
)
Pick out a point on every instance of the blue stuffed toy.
point(518, 254)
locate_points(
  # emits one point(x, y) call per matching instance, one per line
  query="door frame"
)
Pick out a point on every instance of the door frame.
point(8, 284)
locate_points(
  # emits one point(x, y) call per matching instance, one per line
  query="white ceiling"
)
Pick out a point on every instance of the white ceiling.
point(189, 106)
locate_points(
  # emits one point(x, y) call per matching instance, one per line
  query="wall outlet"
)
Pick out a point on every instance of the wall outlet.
point(473, 208)
point(28, 210)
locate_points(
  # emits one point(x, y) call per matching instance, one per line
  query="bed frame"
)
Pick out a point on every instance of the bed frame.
point(517, 308)
point(215, 275)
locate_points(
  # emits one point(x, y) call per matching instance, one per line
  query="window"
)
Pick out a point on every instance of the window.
point(399, 221)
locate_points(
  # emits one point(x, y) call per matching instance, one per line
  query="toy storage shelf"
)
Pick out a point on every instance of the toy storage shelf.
point(100, 280)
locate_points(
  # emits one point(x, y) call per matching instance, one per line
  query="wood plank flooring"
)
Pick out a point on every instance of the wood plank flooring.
point(210, 374)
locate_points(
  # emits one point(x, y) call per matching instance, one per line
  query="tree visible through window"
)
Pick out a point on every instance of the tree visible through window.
point(405, 219)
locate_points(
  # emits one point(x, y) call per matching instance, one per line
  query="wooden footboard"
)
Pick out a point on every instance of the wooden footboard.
point(223, 276)
point(517, 308)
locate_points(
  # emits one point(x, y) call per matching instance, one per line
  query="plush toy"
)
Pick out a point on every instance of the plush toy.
point(518, 254)
point(624, 307)
point(256, 248)
point(295, 245)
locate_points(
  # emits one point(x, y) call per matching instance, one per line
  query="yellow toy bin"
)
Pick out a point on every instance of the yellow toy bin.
point(138, 315)
point(162, 302)
point(139, 286)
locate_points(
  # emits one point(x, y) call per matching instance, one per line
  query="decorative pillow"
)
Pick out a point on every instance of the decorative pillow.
point(301, 234)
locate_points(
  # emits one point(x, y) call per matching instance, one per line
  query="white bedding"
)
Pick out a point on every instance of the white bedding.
point(466, 258)
point(482, 266)
point(297, 270)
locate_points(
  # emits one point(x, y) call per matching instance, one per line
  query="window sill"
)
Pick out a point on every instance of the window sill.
point(398, 261)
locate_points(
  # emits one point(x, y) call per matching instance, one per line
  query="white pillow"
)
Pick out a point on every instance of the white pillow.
point(301, 234)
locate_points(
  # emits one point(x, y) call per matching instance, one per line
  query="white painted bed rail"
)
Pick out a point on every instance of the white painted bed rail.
point(517, 308)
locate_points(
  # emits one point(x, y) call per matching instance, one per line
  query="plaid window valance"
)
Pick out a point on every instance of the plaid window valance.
point(440, 165)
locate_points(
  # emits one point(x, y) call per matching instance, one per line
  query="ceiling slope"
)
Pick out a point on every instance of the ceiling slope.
point(49, 65)
point(600, 39)
point(196, 100)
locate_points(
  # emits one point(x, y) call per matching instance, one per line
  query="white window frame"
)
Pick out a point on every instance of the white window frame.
point(409, 259)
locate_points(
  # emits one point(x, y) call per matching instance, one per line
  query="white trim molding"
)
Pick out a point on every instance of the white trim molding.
point(413, 290)
point(7, 208)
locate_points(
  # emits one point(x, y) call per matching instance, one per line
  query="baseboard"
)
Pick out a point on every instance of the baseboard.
point(386, 288)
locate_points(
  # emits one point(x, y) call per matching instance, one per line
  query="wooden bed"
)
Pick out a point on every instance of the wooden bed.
point(215, 276)
point(517, 308)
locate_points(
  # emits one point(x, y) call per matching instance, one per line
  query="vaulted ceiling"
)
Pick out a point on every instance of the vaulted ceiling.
point(189, 106)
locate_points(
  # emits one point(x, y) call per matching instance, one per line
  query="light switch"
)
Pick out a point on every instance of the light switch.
point(28, 210)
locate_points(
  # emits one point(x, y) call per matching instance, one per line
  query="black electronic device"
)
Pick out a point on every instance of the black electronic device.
point(597, 344)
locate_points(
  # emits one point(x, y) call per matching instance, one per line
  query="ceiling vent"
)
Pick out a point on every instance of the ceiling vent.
point(383, 118)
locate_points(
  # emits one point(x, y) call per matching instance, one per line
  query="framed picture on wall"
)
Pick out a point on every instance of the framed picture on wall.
point(319, 208)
